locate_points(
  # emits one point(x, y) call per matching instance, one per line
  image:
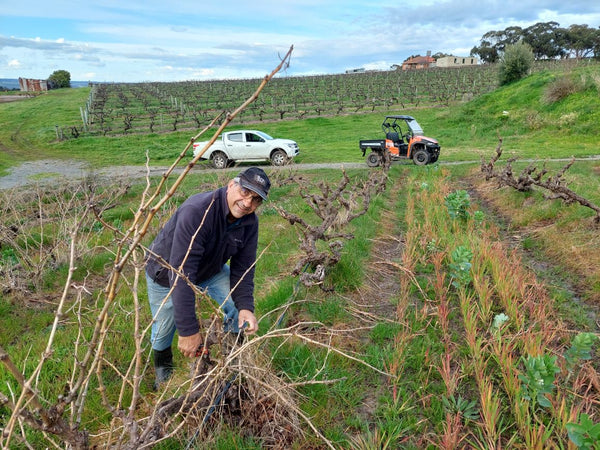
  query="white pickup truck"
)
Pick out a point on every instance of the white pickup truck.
point(247, 146)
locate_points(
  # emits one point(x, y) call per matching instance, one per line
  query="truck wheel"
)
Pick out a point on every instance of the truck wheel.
point(219, 160)
point(421, 157)
point(279, 158)
point(373, 159)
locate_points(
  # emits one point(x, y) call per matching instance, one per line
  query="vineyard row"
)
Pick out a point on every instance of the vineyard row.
point(158, 107)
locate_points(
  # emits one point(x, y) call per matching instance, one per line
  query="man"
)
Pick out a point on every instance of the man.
point(205, 232)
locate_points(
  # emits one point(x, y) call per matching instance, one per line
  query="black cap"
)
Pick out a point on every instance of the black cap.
point(255, 179)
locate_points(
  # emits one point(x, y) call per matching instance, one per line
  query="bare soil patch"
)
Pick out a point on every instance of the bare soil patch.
point(43, 170)
point(374, 301)
point(54, 170)
point(12, 98)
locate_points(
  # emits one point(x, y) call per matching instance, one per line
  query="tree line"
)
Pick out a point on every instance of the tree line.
point(548, 40)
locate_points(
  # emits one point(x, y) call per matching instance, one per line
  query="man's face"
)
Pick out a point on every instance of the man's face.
point(241, 201)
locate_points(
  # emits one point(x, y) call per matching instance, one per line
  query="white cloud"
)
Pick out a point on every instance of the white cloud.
point(14, 64)
point(154, 40)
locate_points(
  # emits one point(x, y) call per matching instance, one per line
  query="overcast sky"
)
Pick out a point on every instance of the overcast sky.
point(175, 40)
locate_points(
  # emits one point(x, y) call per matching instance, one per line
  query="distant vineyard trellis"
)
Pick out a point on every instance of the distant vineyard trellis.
point(157, 107)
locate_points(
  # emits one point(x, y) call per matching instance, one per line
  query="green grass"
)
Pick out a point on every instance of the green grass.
point(274, 288)
point(530, 128)
point(406, 407)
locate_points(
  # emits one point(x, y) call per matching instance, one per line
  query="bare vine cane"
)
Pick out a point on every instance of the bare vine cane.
point(27, 405)
point(531, 176)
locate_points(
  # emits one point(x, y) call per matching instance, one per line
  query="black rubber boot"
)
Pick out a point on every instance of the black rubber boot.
point(163, 366)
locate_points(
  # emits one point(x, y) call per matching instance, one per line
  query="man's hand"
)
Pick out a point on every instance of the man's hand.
point(188, 345)
point(245, 316)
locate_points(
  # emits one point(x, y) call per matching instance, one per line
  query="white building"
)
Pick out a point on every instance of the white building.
point(456, 61)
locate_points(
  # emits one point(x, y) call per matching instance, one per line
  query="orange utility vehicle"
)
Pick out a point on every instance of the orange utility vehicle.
point(404, 139)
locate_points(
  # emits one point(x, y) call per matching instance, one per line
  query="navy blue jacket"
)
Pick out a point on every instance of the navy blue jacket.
point(216, 241)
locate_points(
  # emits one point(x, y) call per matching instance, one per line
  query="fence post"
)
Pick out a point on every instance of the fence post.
point(83, 118)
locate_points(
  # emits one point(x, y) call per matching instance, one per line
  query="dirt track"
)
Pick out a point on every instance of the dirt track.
point(12, 98)
point(47, 171)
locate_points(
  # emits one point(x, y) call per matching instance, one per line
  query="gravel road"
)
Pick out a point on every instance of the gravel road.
point(49, 171)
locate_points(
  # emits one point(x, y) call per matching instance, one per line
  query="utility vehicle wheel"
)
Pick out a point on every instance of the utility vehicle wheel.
point(373, 159)
point(279, 158)
point(219, 160)
point(421, 157)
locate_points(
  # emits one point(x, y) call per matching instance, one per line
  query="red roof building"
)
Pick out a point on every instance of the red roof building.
point(418, 62)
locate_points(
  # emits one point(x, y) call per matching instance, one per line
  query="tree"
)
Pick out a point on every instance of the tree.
point(439, 55)
point(546, 40)
point(418, 55)
point(486, 52)
point(581, 41)
point(515, 62)
point(60, 79)
point(493, 43)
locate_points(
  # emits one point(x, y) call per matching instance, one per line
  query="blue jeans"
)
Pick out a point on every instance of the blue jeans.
point(163, 324)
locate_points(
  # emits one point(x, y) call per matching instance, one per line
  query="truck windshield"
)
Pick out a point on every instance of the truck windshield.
point(415, 127)
point(265, 136)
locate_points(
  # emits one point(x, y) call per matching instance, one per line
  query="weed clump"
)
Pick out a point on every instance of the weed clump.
point(560, 89)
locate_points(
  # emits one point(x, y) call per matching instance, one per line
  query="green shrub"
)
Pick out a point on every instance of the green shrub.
point(515, 63)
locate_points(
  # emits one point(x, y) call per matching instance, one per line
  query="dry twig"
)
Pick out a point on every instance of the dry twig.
point(555, 184)
point(29, 405)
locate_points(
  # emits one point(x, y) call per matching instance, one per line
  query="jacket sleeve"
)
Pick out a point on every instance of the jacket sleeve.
point(242, 267)
point(189, 237)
